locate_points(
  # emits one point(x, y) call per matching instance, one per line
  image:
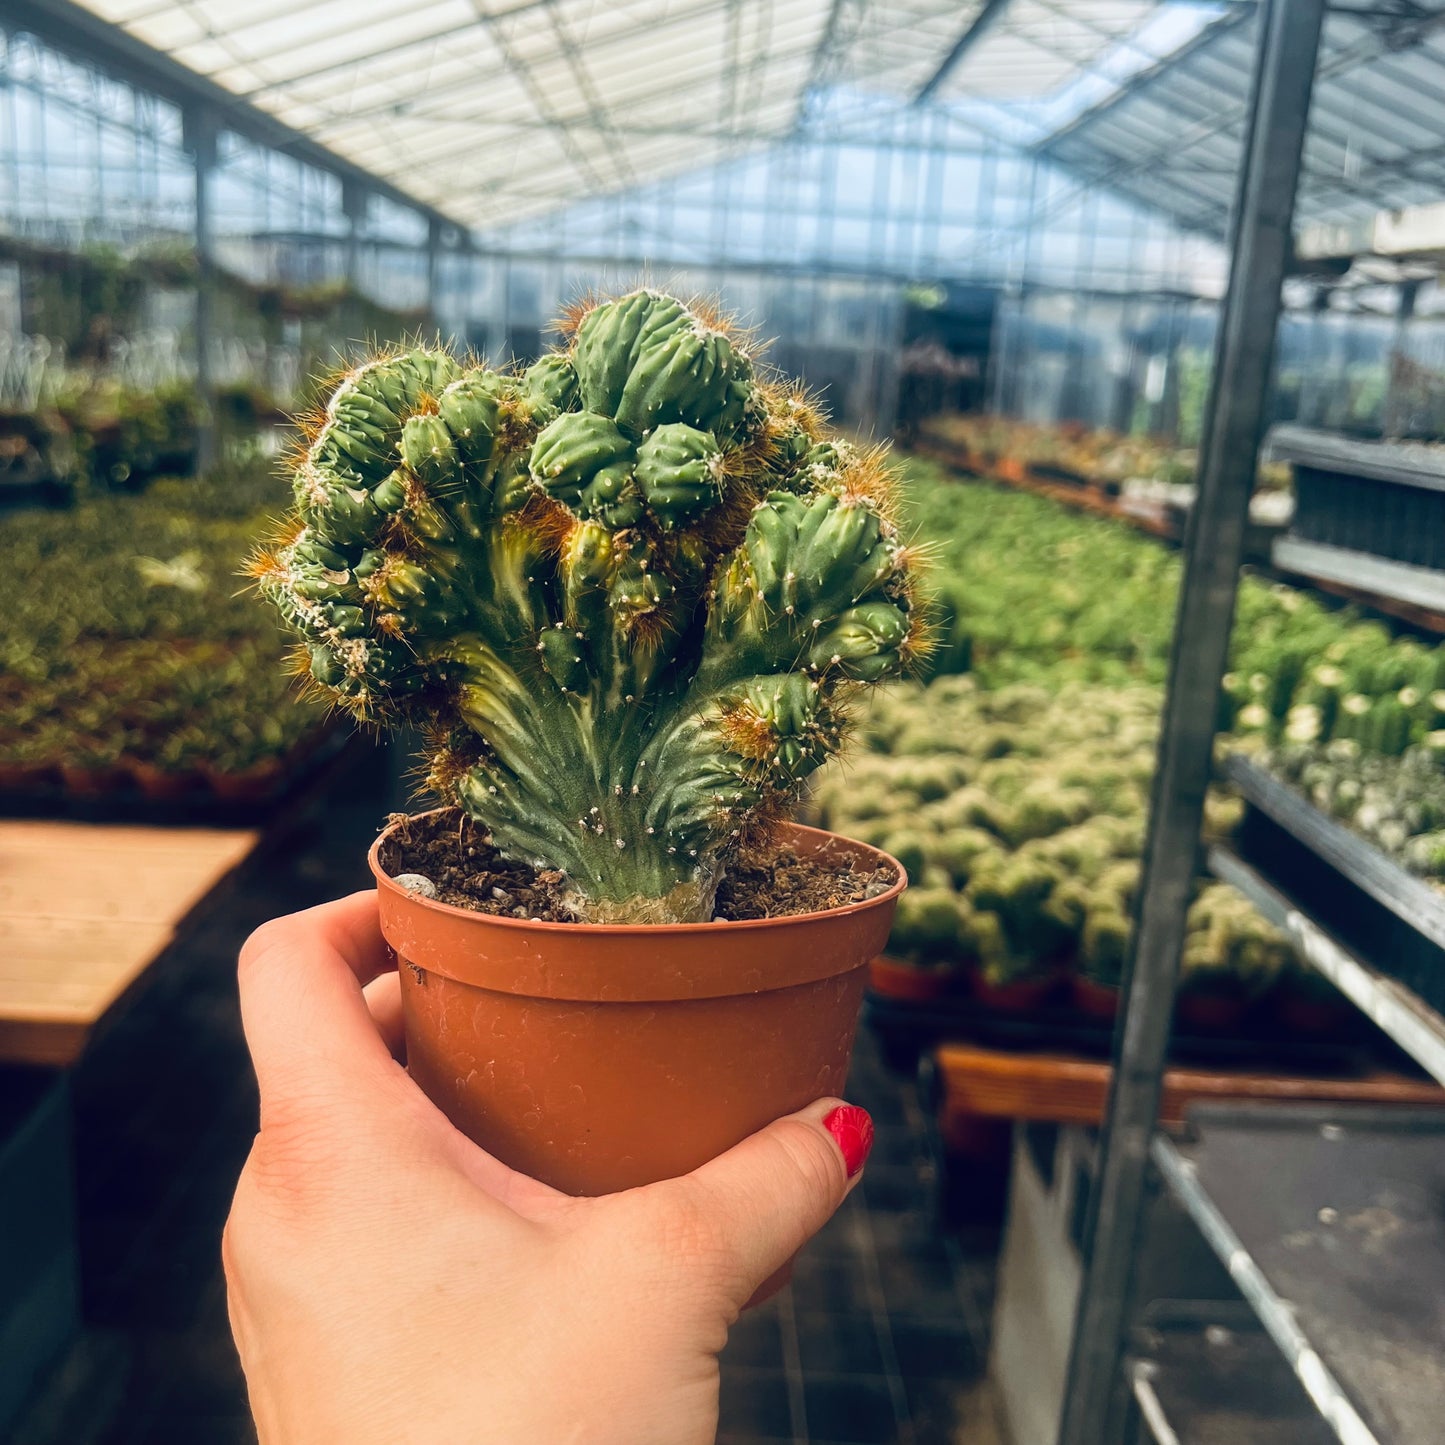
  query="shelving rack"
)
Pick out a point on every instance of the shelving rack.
point(1370, 517)
point(1211, 1373)
point(1326, 1217)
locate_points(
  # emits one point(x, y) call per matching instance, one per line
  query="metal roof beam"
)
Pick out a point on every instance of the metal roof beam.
point(1236, 15)
point(522, 73)
point(988, 15)
point(833, 42)
point(737, 141)
point(81, 34)
point(475, 81)
point(597, 112)
point(843, 135)
point(430, 37)
point(1108, 168)
point(1156, 159)
point(648, 96)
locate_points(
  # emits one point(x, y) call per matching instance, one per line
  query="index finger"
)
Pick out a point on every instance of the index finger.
point(301, 979)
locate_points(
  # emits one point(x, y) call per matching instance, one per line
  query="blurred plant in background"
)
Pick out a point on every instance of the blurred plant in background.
point(129, 646)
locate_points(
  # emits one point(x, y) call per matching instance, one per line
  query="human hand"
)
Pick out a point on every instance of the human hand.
point(390, 1283)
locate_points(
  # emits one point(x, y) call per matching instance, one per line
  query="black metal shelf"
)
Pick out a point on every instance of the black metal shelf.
point(1387, 1003)
point(1409, 900)
point(1198, 1381)
point(1405, 464)
point(1329, 1219)
point(1385, 499)
point(1363, 572)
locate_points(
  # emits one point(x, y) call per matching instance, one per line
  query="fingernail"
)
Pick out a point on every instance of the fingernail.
point(853, 1129)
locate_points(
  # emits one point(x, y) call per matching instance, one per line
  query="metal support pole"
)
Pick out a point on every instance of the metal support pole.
point(200, 140)
point(1260, 247)
point(354, 198)
point(1393, 422)
point(353, 207)
point(433, 272)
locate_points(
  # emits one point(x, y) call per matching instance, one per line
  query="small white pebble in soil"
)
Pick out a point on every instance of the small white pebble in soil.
point(417, 883)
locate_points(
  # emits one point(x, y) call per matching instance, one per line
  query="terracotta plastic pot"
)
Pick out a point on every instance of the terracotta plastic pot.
point(255, 784)
point(84, 781)
point(1307, 1013)
point(910, 982)
point(598, 1057)
point(163, 785)
point(1093, 999)
point(1021, 996)
point(25, 777)
point(1211, 1011)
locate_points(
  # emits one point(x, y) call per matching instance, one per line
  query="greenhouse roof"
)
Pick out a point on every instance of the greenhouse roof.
point(1172, 137)
point(492, 110)
point(489, 111)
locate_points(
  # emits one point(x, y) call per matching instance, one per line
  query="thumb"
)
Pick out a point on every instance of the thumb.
point(766, 1197)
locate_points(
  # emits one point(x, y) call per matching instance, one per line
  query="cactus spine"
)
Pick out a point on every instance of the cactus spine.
point(630, 591)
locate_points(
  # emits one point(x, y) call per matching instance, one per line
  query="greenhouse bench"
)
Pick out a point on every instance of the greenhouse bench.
point(85, 909)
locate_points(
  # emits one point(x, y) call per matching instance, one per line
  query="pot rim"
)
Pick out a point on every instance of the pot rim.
point(712, 927)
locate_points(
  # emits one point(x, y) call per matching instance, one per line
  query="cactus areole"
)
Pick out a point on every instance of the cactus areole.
point(629, 592)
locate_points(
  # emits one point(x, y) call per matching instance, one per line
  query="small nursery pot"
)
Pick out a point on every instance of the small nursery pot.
point(893, 978)
point(1094, 999)
point(82, 781)
point(1311, 1015)
point(163, 785)
point(256, 784)
point(25, 777)
point(1021, 996)
point(598, 1057)
point(1211, 1011)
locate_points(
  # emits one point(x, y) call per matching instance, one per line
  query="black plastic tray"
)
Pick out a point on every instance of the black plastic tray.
point(1378, 497)
point(1403, 464)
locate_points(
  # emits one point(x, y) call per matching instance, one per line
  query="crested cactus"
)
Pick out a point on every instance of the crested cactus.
point(630, 591)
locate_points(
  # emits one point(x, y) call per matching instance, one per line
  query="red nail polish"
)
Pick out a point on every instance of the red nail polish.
point(853, 1129)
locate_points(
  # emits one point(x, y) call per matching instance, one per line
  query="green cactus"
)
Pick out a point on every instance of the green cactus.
point(910, 849)
point(630, 591)
point(929, 926)
point(1105, 944)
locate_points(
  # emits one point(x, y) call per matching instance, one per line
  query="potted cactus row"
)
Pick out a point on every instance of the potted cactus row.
point(1019, 814)
point(632, 595)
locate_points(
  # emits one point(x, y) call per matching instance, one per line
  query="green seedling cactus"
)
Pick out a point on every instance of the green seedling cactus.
point(1105, 945)
point(928, 928)
point(910, 849)
point(630, 592)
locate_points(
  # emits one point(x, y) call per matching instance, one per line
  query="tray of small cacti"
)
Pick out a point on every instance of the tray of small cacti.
point(1019, 813)
point(135, 681)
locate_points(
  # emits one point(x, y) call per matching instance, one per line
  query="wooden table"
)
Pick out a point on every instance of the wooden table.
point(979, 1083)
point(84, 910)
